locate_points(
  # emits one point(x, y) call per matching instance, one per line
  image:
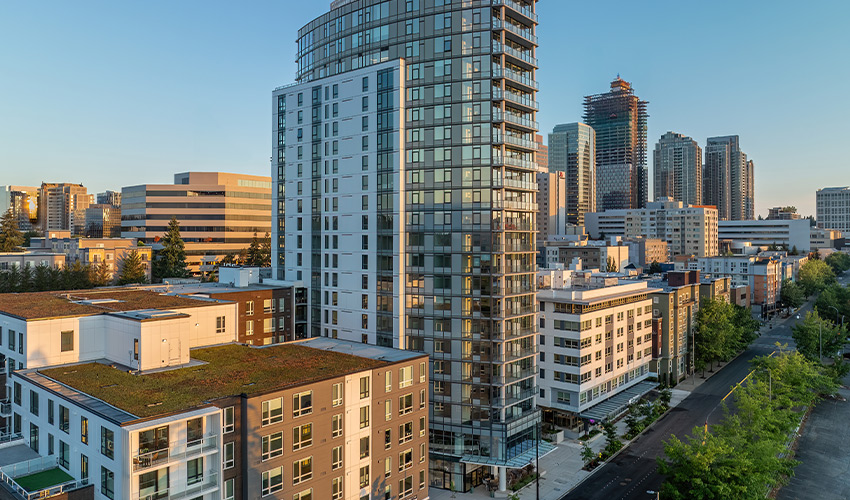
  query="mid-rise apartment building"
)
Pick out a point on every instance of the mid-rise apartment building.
point(95, 251)
point(551, 200)
point(688, 230)
point(336, 421)
point(573, 151)
point(219, 213)
point(619, 119)
point(763, 276)
point(593, 254)
point(644, 251)
point(833, 208)
point(595, 348)
point(677, 166)
point(405, 197)
point(787, 233)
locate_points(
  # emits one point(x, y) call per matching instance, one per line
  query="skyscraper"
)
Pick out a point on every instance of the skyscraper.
point(728, 180)
point(677, 162)
point(542, 154)
point(63, 207)
point(619, 119)
point(404, 163)
point(572, 149)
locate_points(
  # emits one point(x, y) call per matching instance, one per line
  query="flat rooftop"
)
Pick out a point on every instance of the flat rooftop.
point(61, 304)
point(228, 370)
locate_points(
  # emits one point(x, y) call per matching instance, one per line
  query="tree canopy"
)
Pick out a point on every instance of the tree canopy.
point(791, 294)
point(722, 329)
point(11, 238)
point(816, 335)
point(838, 261)
point(814, 276)
point(132, 269)
point(834, 303)
point(170, 261)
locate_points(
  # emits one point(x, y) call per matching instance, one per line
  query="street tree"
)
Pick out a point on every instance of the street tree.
point(132, 269)
point(839, 262)
point(816, 336)
point(791, 294)
point(170, 261)
point(11, 238)
point(834, 303)
point(814, 276)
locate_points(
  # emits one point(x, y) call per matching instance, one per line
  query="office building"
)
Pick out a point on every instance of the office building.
point(94, 251)
point(552, 215)
point(109, 198)
point(573, 151)
point(687, 229)
point(542, 154)
point(643, 252)
point(619, 119)
point(62, 207)
point(103, 221)
point(595, 348)
point(677, 162)
point(337, 422)
point(593, 254)
point(23, 202)
point(728, 179)
point(833, 208)
point(825, 238)
point(219, 213)
point(406, 151)
point(782, 213)
point(783, 233)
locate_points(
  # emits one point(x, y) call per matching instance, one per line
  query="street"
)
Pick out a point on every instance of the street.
point(633, 474)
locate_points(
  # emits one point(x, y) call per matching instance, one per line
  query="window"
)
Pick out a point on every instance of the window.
point(388, 466)
point(388, 439)
point(304, 495)
point(272, 411)
point(422, 399)
point(107, 442)
point(336, 394)
point(336, 488)
point(364, 416)
point(268, 306)
point(405, 432)
point(405, 487)
point(249, 308)
point(136, 349)
point(64, 419)
point(84, 467)
point(229, 420)
point(229, 490)
point(421, 426)
point(302, 436)
point(84, 430)
point(336, 458)
point(219, 324)
point(302, 470)
point(229, 459)
point(34, 403)
point(194, 431)
point(272, 480)
point(249, 327)
point(302, 403)
point(388, 410)
point(422, 452)
point(421, 479)
point(365, 84)
point(388, 381)
point(405, 377)
point(336, 426)
point(107, 483)
point(50, 411)
point(195, 471)
point(405, 404)
point(364, 447)
point(16, 397)
point(272, 445)
point(405, 459)
point(364, 476)
point(34, 437)
point(67, 341)
point(422, 371)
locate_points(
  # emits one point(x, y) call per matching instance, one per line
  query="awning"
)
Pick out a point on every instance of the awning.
point(516, 462)
point(617, 403)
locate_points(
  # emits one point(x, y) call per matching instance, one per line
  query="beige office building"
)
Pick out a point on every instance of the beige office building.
point(218, 212)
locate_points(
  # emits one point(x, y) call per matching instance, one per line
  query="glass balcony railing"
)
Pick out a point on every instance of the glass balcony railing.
point(209, 483)
point(176, 451)
point(56, 481)
point(519, 99)
point(524, 79)
point(526, 57)
point(524, 33)
point(517, 7)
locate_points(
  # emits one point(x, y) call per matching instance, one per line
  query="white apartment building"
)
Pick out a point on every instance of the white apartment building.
point(687, 229)
point(595, 343)
point(833, 208)
point(787, 233)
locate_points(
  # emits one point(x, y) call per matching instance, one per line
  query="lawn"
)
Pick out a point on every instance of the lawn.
point(43, 479)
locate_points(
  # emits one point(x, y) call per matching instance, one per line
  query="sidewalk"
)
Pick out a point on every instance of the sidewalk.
point(562, 468)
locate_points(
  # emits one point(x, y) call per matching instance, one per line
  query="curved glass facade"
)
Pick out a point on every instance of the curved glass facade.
point(469, 209)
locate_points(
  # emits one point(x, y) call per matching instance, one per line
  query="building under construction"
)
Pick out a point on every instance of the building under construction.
point(619, 119)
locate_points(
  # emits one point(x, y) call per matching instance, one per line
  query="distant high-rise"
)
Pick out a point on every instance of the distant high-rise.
point(833, 208)
point(677, 166)
point(542, 154)
point(109, 198)
point(572, 150)
point(619, 119)
point(728, 180)
point(551, 194)
point(63, 207)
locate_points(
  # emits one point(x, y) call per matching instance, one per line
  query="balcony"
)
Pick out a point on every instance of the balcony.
point(209, 484)
point(518, 99)
point(39, 478)
point(5, 408)
point(522, 57)
point(500, 137)
point(524, 34)
point(176, 451)
point(514, 162)
point(522, 80)
point(525, 12)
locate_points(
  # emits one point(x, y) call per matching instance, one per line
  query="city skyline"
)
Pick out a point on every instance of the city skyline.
point(196, 81)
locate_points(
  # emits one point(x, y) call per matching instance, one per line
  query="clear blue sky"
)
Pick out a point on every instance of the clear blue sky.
point(111, 93)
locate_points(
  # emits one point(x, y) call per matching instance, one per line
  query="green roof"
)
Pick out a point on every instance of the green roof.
point(44, 479)
point(229, 370)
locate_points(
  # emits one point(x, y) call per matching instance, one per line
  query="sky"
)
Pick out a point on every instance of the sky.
point(112, 94)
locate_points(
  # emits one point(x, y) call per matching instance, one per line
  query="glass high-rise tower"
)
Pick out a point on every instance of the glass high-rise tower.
point(406, 198)
point(677, 166)
point(572, 150)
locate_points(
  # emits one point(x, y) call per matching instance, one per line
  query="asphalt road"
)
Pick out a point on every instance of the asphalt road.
point(633, 473)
